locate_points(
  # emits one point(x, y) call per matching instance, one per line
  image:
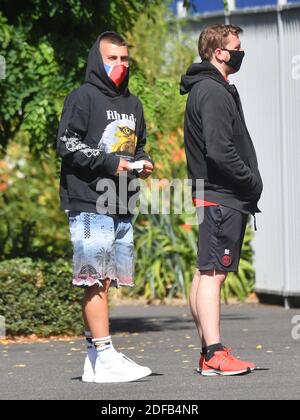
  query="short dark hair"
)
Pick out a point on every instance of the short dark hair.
point(114, 38)
point(214, 37)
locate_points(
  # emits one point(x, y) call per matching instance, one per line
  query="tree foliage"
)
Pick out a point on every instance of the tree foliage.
point(45, 45)
point(189, 4)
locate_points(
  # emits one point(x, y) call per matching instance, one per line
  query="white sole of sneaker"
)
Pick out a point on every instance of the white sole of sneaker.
point(88, 379)
point(208, 373)
point(212, 373)
point(110, 380)
point(217, 372)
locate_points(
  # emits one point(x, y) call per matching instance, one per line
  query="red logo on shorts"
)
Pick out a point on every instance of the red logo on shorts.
point(227, 260)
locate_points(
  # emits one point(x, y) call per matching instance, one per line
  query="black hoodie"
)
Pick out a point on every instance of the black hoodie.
point(218, 145)
point(100, 123)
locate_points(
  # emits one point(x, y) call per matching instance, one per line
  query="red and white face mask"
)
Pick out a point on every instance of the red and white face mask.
point(116, 73)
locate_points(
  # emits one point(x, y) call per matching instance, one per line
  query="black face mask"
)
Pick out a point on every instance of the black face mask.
point(236, 59)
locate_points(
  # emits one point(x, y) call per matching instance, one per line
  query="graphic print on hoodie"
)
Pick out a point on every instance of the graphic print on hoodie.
point(119, 137)
point(100, 124)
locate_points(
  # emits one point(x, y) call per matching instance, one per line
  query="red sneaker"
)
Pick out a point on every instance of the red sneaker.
point(224, 364)
point(208, 371)
point(250, 365)
point(201, 361)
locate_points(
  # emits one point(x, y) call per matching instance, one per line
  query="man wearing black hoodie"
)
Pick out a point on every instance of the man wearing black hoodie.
point(220, 152)
point(101, 141)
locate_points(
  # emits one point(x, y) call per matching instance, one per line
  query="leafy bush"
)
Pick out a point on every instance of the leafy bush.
point(166, 251)
point(45, 45)
point(31, 224)
point(36, 298)
point(166, 247)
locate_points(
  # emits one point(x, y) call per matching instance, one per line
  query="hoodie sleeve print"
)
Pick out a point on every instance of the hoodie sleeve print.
point(142, 138)
point(71, 145)
point(216, 118)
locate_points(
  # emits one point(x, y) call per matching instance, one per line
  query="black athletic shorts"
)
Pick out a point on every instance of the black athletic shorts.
point(221, 238)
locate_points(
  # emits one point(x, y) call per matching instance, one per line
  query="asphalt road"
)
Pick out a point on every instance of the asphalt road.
point(164, 339)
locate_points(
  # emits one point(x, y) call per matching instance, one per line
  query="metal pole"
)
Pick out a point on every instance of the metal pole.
point(283, 130)
point(181, 10)
point(231, 7)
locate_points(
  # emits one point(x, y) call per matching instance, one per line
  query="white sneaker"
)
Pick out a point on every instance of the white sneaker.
point(120, 369)
point(89, 366)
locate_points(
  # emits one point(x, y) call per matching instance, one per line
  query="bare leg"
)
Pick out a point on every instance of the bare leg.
point(193, 305)
point(208, 304)
point(86, 324)
point(95, 310)
point(205, 302)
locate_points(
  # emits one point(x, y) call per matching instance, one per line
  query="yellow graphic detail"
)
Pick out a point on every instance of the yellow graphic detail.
point(126, 140)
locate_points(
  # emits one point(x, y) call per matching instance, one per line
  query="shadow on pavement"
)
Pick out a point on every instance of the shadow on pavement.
point(139, 325)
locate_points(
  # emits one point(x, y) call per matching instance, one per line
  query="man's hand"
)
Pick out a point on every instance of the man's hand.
point(147, 171)
point(123, 166)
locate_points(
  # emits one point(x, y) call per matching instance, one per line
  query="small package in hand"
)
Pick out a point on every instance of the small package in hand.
point(138, 166)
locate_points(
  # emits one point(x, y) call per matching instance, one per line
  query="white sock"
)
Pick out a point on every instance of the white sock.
point(105, 349)
point(90, 348)
point(89, 342)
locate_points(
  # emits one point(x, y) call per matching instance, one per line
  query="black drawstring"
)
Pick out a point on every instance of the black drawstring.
point(255, 226)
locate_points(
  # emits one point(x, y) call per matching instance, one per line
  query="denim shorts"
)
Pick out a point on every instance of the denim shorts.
point(103, 249)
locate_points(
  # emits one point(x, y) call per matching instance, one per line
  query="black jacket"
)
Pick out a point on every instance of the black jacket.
point(99, 124)
point(218, 145)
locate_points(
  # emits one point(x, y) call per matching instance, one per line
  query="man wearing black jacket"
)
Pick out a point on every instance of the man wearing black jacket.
point(219, 151)
point(101, 141)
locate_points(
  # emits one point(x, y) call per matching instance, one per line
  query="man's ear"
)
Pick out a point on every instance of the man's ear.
point(218, 54)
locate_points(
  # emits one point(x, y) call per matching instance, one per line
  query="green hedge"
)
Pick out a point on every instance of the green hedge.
point(166, 251)
point(36, 297)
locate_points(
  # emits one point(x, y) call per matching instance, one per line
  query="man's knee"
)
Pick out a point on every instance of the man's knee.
point(215, 275)
point(95, 290)
point(105, 287)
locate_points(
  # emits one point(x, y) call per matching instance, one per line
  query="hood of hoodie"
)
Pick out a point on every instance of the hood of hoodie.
point(96, 74)
point(198, 72)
